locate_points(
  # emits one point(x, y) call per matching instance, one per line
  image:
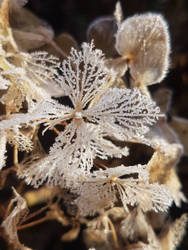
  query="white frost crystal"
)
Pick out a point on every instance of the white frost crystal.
point(130, 183)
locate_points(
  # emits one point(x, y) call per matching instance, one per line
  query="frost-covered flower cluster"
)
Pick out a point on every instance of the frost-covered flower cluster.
point(97, 115)
point(94, 115)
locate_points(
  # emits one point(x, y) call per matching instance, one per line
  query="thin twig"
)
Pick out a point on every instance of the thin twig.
point(56, 130)
point(33, 223)
point(114, 235)
point(30, 216)
point(15, 155)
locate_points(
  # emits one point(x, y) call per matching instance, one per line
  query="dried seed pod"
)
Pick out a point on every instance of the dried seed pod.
point(102, 31)
point(144, 41)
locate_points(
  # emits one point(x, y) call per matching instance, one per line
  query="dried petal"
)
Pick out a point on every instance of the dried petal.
point(144, 41)
point(102, 31)
point(180, 125)
point(11, 222)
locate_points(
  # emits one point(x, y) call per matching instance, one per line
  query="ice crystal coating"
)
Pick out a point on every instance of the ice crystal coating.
point(144, 41)
point(14, 138)
point(126, 108)
point(40, 65)
point(30, 79)
point(122, 113)
point(18, 139)
point(4, 83)
point(101, 190)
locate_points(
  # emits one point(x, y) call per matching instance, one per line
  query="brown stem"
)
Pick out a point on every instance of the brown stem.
point(8, 210)
point(56, 130)
point(35, 213)
point(114, 235)
point(99, 164)
point(33, 223)
point(15, 155)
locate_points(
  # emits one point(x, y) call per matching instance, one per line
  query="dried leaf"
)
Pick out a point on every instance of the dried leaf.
point(171, 239)
point(66, 42)
point(28, 40)
point(61, 46)
point(30, 32)
point(178, 230)
point(15, 217)
point(162, 166)
point(136, 228)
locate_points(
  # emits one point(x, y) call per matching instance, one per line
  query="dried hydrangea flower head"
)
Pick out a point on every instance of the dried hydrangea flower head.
point(22, 74)
point(24, 78)
point(102, 189)
point(26, 83)
point(143, 41)
point(84, 156)
point(121, 113)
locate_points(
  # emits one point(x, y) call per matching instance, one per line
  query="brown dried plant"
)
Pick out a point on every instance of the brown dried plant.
point(82, 140)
